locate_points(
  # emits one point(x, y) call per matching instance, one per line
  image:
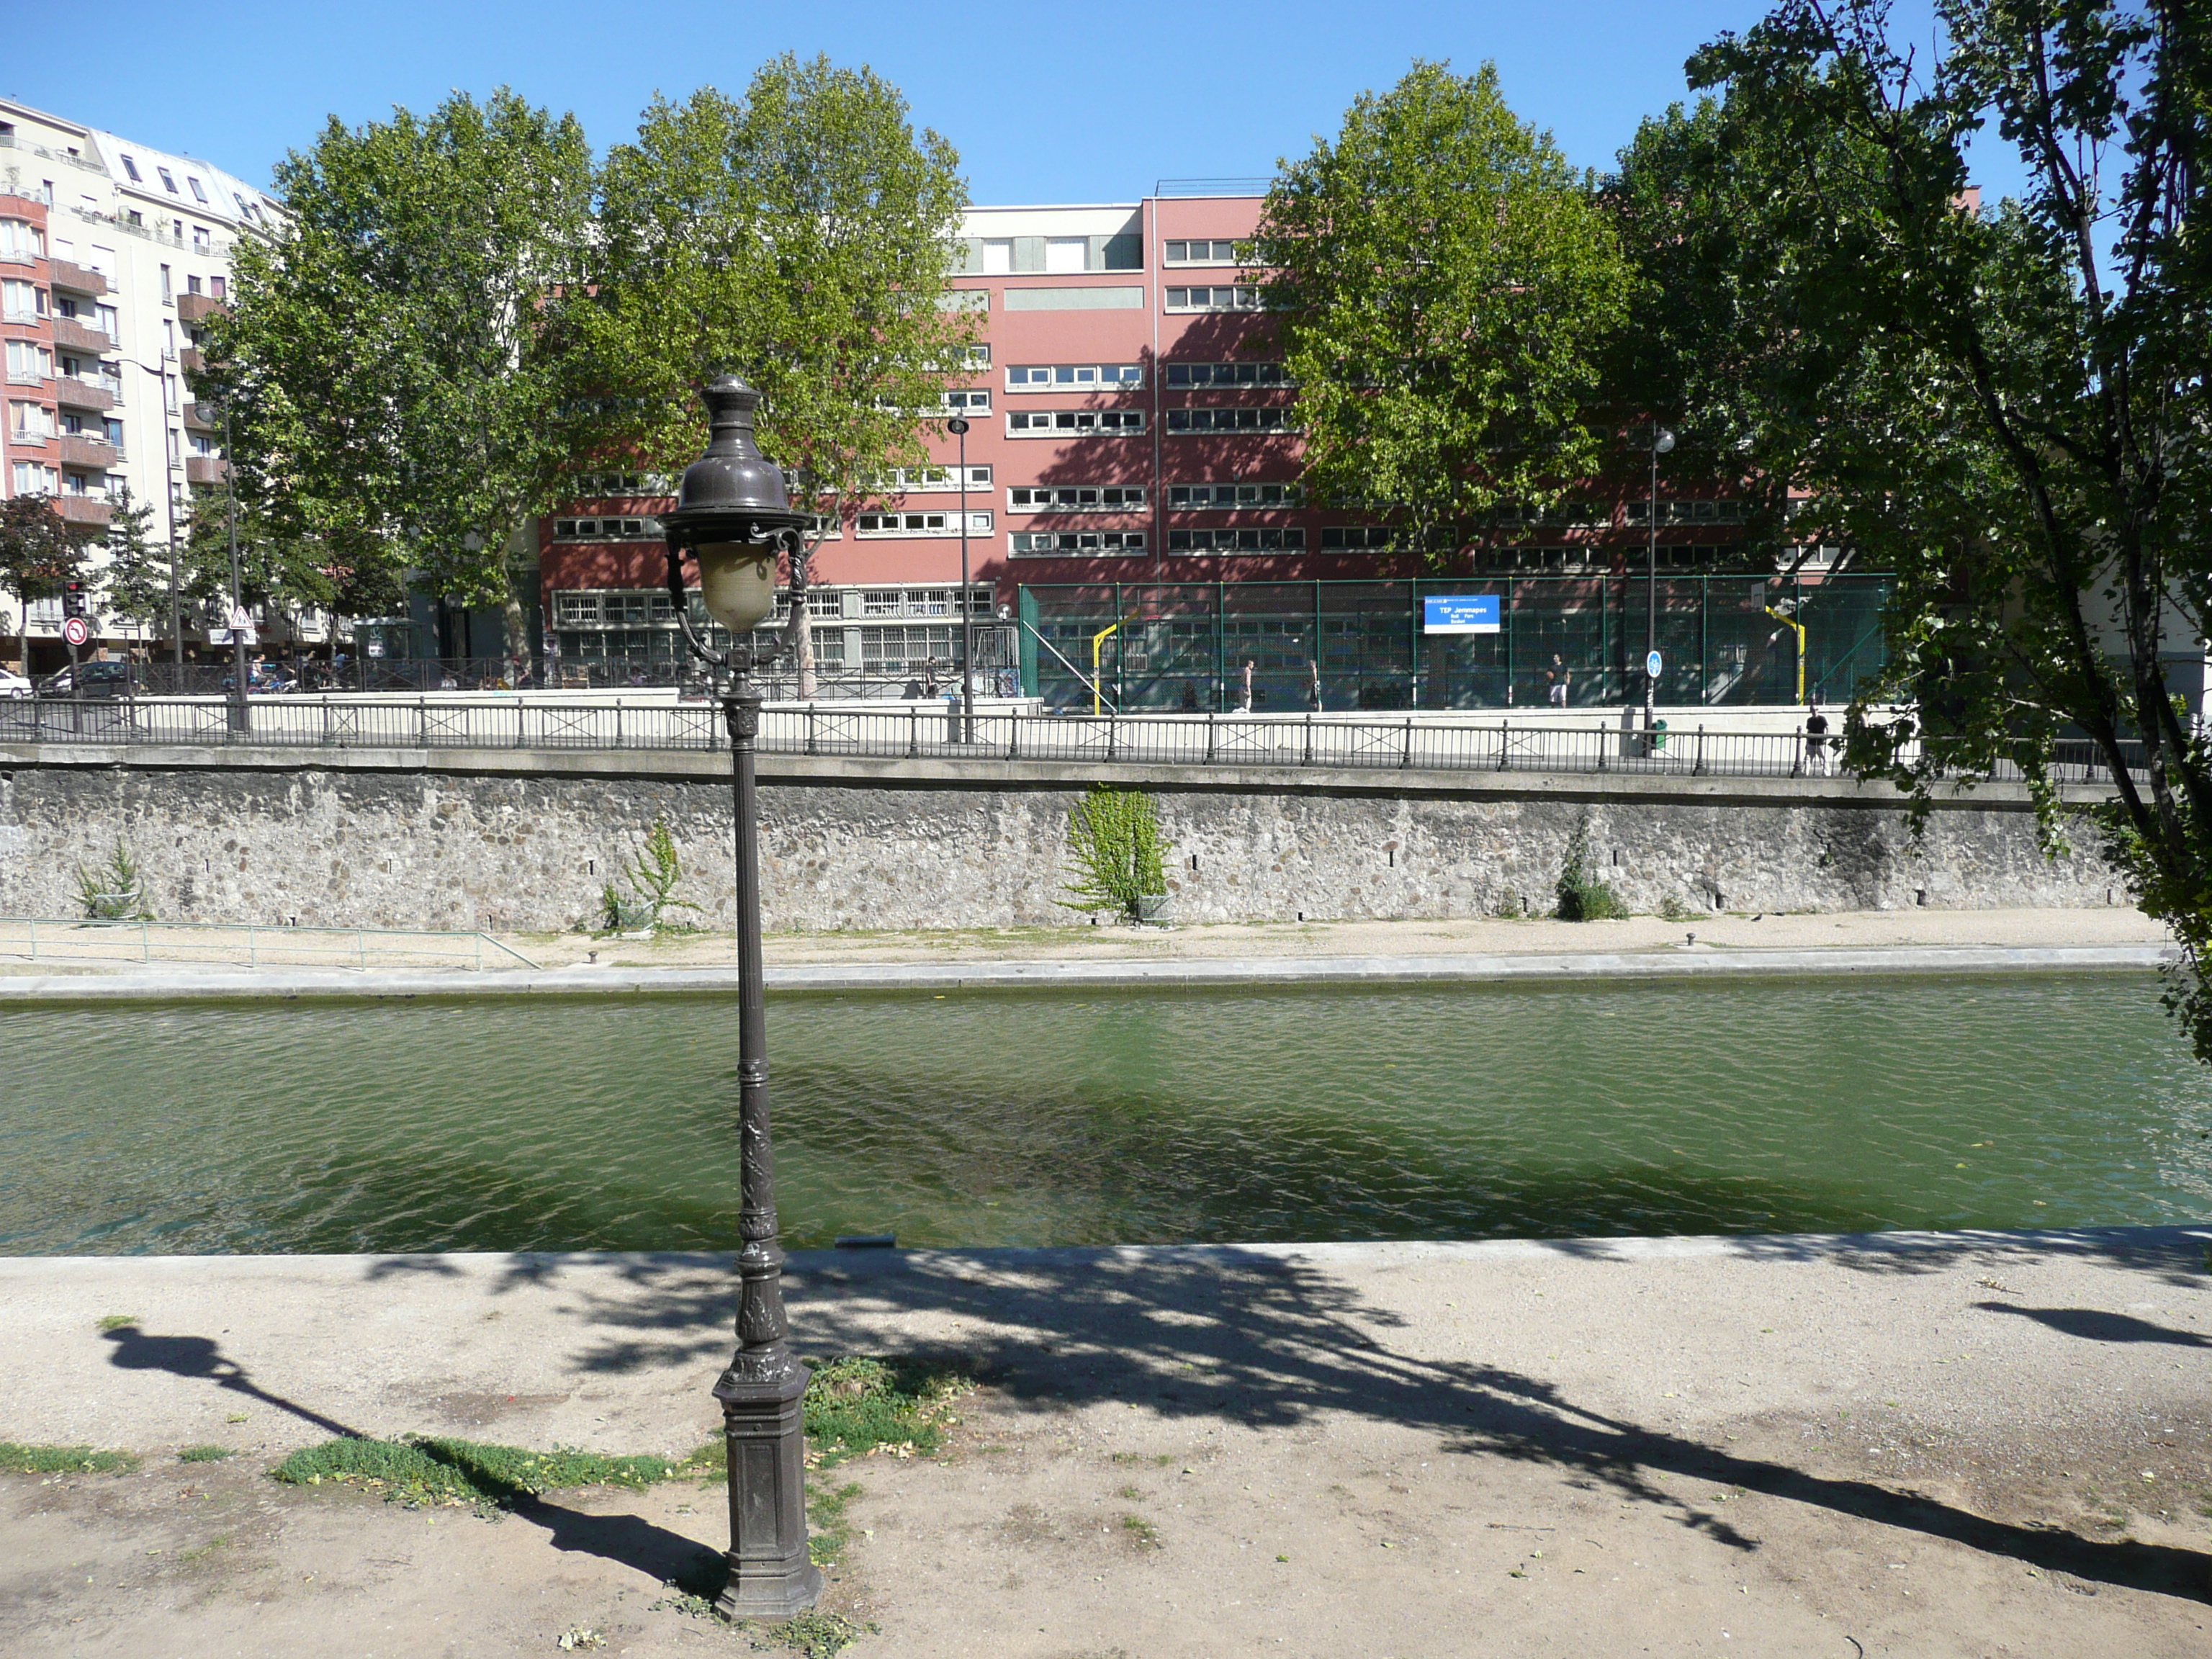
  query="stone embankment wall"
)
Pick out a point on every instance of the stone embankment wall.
point(511, 841)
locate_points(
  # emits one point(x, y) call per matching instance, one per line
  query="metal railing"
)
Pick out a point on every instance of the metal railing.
point(935, 729)
point(221, 944)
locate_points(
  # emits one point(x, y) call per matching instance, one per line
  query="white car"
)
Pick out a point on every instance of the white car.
point(13, 685)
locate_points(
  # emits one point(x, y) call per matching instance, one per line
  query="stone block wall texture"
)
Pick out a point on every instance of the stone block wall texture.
point(405, 848)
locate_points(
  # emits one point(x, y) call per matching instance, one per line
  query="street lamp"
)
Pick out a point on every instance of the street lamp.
point(957, 426)
point(732, 516)
point(1662, 441)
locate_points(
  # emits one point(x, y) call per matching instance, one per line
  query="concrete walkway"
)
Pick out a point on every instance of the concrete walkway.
point(1986, 1445)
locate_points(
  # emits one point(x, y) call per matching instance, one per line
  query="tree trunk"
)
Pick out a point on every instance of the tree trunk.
point(799, 629)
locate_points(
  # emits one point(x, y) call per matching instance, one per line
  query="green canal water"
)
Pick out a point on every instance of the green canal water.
point(1064, 1118)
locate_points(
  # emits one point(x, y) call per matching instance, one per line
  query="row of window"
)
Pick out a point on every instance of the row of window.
point(1076, 498)
point(651, 607)
point(920, 524)
point(1074, 422)
point(1051, 377)
point(1240, 296)
point(1228, 374)
point(1251, 538)
point(921, 480)
point(1211, 252)
point(1225, 497)
point(1276, 418)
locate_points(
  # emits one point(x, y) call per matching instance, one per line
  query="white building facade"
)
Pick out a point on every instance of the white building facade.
point(113, 254)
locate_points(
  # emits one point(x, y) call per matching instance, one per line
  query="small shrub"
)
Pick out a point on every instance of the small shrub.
point(1583, 896)
point(16, 1459)
point(1672, 908)
point(1510, 906)
point(116, 1321)
point(1114, 840)
point(203, 1454)
point(115, 890)
point(651, 875)
point(820, 1635)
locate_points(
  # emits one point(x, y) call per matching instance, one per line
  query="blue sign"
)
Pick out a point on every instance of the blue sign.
point(1459, 613)
point(1651, 665)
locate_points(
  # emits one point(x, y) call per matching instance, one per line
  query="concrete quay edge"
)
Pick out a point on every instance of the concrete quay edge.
point(870, 771)
point(1185, 973)
point(2189, 1241)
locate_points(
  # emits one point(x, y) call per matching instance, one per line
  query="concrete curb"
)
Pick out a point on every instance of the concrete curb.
point(1676, 963)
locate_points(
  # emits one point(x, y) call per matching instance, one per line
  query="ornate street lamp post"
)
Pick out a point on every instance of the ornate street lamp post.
point(732, 516)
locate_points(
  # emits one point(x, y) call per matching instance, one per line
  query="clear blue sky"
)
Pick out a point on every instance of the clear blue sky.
point(1048, 101)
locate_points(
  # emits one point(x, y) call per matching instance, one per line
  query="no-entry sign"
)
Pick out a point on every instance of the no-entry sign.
point(77, 630)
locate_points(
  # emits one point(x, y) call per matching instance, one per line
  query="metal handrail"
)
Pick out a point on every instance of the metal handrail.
point(356, 954)
point(932, 730)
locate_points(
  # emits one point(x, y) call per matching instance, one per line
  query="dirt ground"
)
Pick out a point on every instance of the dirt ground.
point(1974, 1446)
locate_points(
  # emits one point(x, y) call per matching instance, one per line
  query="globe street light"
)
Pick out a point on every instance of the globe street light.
point(732, 516)
point(957, 426)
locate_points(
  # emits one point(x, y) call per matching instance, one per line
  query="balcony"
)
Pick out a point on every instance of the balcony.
point(71, 392)
point(191, 361)
point(77, 279)
point(203, 417)
point(70, 333)
point(83, 509)
point(80, 449)
point(193, 309)
point(206, 470)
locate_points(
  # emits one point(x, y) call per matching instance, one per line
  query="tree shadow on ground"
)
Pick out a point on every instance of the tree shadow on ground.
point(2095, 1325)
point(1269, 1339)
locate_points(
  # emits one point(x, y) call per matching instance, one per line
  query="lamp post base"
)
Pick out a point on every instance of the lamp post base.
point(770, 1576)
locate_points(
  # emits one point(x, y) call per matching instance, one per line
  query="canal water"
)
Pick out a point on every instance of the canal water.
point(1053, 1118)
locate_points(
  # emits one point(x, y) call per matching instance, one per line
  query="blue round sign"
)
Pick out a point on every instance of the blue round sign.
point(1651, 665)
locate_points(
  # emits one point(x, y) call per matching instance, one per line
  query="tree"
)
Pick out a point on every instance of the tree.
point(802, 238)
point(2006, 408)
point(392, 357)
point(1443, 284)
point(40, 550)
point(134, 581)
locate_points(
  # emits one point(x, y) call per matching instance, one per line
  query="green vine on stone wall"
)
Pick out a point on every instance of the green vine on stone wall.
point(651, 876)
point(1115, 845)
point(1583, 896)
point(115, 890)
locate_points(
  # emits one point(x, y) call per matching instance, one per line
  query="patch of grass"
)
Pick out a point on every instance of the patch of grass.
point(820, 1635)
point(1133, 1493)
point(17, 1459)
point(1141, 1532)
point(116, 1321)
point(203, 1454)
point(858, 1405)
point(423, 1471)
point(831, 1529)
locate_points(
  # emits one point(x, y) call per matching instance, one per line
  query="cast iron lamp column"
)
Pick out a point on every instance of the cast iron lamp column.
point(732, 516)
point(1661, 442)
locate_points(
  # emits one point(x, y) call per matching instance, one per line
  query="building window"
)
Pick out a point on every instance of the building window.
point(1202, 253)
point(973, 403)
point(1265, 538)
point(33, 479)
point(595, 486)
point(164, 285)
point(191, 284)
point(1057, 377)
point(1280, 418)
point(22, 302)
point(1076, 498)
point(217, 286)
point(1358, 538)
point(1035, 544)
point(198, 195)
point(919, 523)
point(132, 168)
point(167, 183)
point(1227, 374)
point(923, 601)
point(30, 423)
point(1241, 297)
point(927, 480)
point(1226, 497)
point(1074, 422)
point(1685, 513)
point(606, 530)
point(21, 240)
point(203, 242)
point(28, 361)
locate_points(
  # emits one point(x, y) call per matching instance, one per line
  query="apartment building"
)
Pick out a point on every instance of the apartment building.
point(111, 255)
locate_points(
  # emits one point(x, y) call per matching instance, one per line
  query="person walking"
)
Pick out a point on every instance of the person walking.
point(1816, 738)
point(1247, 686)
point(1556, 678)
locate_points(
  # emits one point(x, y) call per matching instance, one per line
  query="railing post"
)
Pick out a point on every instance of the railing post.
point(253, 946)
point(1209, 737)
point(1699, 770)
point(1505, 742)
point(521, 726)
point(913, 731)
point(1308, 759)
point(1014, 733)
point(1797, 753)
point(422, 722)
point(145, 944)
point(813, 746)
point(1113, 734)
point(360, 948)
point(326, 720)
point(1406, 758)
point(618, 735)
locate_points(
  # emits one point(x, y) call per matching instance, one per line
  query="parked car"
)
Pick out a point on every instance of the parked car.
point(88, 680)
point(13, 685)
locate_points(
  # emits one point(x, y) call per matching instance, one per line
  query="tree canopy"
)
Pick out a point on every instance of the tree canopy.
point(1443, 284)
point(2005, 407)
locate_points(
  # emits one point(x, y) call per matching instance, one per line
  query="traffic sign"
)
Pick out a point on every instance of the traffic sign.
point(77, 630)
point(1651, 665)
point(1459, 613)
